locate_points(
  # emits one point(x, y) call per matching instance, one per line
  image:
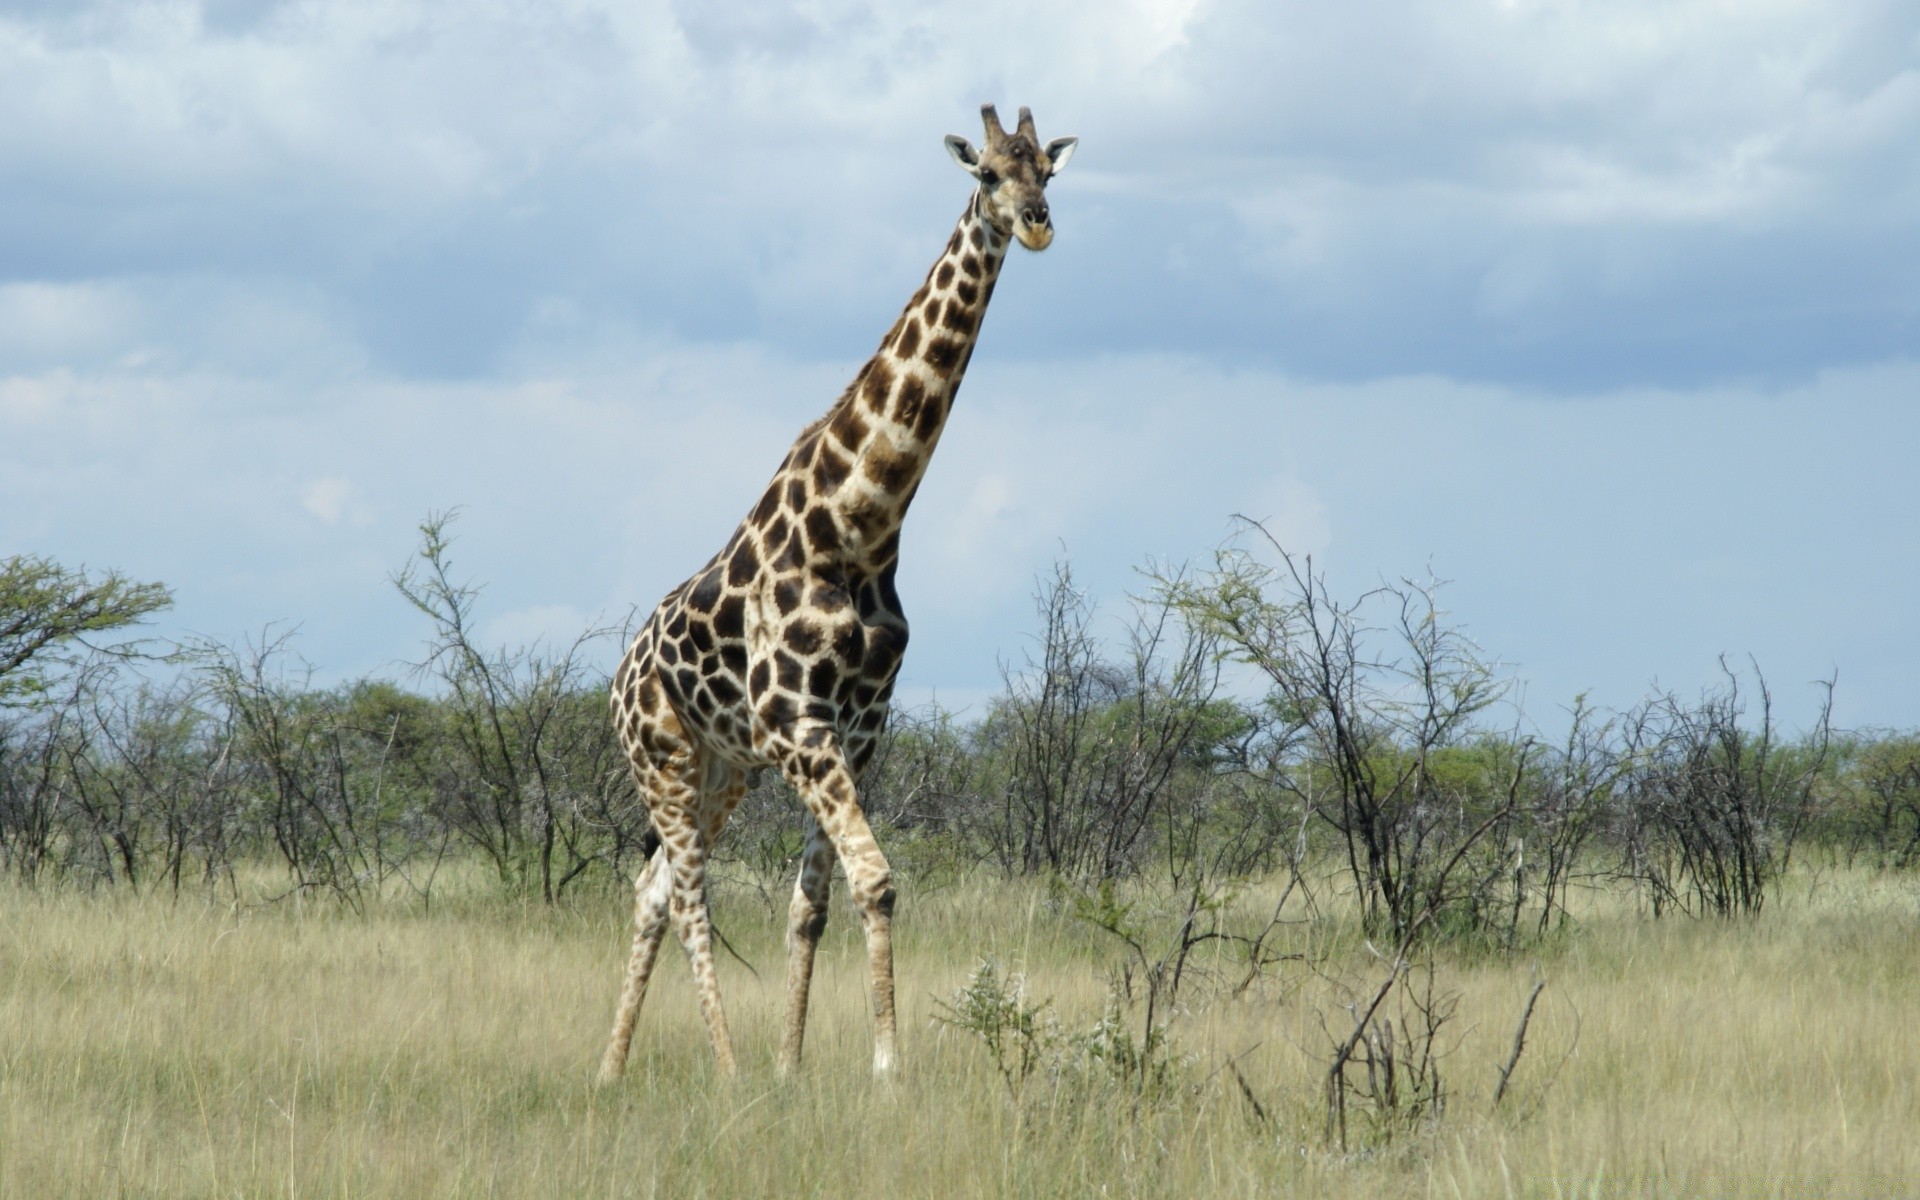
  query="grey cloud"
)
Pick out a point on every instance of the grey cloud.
point(1567, 197)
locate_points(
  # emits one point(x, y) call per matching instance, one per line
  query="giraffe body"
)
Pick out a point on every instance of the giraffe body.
point(782, 651)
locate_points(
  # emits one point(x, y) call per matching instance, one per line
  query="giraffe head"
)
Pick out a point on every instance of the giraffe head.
point(1013, 169)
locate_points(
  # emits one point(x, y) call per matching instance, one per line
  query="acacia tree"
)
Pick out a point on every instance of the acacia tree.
point(45, 607)
point(1888, 775)
point(1360, 716)
point(535, 780)
point(45, 610)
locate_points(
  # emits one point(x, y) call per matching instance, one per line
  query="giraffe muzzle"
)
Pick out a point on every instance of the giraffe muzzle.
point(1036, 227)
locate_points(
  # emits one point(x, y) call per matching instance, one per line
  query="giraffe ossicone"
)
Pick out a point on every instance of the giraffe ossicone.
point(782, 651)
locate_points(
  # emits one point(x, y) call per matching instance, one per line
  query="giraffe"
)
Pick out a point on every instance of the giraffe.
point(781, 652)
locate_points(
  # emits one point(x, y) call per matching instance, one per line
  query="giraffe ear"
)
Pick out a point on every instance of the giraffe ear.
point(964, 154)
point(1059, 150)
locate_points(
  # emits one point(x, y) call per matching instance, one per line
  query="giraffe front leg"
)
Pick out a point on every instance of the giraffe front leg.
point(806, 920)
point(821, 775)
point(870, 881)
point(651, 892)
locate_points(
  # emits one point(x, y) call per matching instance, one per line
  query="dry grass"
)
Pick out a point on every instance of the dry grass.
point(155, 1048)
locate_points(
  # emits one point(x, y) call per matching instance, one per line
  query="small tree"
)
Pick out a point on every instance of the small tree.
point(1360, 719)
point(308, 779)
point(45, 607)
point(1090, 749)
point(532, 778)
point(1877, 809)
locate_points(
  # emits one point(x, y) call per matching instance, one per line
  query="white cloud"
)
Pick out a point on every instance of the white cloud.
point(1293, 514)
point(326, 499)
point(334, 500)
point(54, 322)
point(550, 628)
point(26, 401)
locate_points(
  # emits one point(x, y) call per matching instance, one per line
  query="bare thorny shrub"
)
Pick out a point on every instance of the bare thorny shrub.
point(1571, 798)
point(164, 773)
point(1391, 1068)
point(34, 840)
point(296, 767)
point(532, 777)
point(112, 780)
point(1712, 810)
point(1363, 719)
point(1088, 753)
point(1390, 1037)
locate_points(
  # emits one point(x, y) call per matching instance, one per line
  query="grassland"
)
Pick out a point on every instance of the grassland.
point(158, 1048)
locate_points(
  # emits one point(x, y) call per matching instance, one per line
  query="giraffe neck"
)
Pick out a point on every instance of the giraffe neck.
point(890, 419)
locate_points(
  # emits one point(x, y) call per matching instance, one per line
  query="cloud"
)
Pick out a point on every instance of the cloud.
point(1563, 196)
point(326, 499)
point(334, 500)
point(549, 628)
point(1293, 514)
point(44, 324)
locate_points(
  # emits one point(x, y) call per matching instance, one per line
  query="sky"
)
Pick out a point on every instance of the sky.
point(1606, 313)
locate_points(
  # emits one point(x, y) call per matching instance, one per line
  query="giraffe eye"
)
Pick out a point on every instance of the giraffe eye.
point(987, 177)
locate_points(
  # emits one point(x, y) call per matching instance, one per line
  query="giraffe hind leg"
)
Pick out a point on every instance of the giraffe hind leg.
point(688, 796)
point(651, 893)
point(687, 845)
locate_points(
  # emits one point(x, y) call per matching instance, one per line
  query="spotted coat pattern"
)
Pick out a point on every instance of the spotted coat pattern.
point(782, 651)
